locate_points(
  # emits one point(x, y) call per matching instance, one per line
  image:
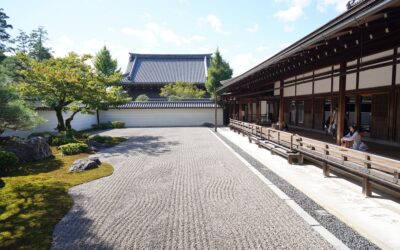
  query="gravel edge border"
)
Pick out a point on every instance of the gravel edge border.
point(343, 232)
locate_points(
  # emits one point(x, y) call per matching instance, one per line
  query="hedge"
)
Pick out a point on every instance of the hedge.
point(74, 148)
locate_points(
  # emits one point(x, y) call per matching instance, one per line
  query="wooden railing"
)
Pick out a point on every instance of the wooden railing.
point(370, 167)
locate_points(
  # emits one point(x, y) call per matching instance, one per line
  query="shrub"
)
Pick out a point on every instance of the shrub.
point(118, 124)
point(142, 98)
point(102, 126)
point(61, 140)
point(101, 139)
point(8, 161)
point(74, 148)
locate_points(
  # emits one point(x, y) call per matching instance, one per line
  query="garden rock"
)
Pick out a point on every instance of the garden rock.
point(29, 150)
point(84, 164)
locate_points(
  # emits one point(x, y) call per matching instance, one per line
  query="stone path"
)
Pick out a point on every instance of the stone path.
point(179, 188)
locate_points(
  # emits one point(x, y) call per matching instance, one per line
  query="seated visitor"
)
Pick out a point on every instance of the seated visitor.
point(354, 137)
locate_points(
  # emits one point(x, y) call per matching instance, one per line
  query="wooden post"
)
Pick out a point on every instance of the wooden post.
point(258, 112)
point(240, 114)
point(393, 102)
point(250, 110)
point(357, 112)
point(366, 187)
point(341, 113)
point(281, 106)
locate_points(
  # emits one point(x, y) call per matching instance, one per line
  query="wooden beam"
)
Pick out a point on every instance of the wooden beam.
point(341, 113)
point(281, 106)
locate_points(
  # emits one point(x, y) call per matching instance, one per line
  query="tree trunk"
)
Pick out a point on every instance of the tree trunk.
point(69, 120)
point(60, 120)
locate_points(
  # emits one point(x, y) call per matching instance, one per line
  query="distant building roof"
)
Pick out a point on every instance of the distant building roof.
point(204, 104)
point(162, 69)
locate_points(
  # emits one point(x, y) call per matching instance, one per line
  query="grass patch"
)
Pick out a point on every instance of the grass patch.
point(35, 198)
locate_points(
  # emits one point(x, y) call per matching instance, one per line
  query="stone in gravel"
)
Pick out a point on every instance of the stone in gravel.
point(29, 150)
point(84, 164)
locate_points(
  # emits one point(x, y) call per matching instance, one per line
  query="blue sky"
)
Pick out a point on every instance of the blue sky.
point(247, 32)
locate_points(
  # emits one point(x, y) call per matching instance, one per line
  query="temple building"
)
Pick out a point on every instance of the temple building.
point(148, 73)
point(350, 64)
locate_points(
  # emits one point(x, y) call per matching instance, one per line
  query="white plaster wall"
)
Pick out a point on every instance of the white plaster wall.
point(351, 63)
point(323, 70)
point(263, 107)
point(398, 73)
point(378, 55)
point(376, 77)
point(276, 88)
point(351, 82)
point(161, 117)
point(304, 89)
point(289, 91)
point(336, 84)
point(322, 86)
point(80, 122)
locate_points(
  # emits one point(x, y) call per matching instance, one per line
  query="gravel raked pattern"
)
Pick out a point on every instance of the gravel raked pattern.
point(179, 188)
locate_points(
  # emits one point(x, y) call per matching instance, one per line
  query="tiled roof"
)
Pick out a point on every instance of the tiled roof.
point(161, 69)
point(168, 105)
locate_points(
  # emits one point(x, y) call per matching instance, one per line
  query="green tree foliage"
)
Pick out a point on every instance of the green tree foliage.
point(23, 42)
point(217, 72)
point(37, 49)
point(181, 90)
point(142, 98)
point(4, 36)
point(104, 64)
point(70, 84)
point(15, 114)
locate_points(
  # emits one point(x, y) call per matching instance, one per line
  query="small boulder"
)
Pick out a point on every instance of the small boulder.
point(84, 164)
point(29, 150)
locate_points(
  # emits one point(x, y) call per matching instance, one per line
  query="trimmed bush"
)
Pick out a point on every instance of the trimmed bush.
point(74, 148)
point(142, 98)
point(101, 139)
point(58, 141)
point(8, 161)
point(102, 126)
point(118, 124)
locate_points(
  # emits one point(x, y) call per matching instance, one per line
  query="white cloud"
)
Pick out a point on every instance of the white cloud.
point(339, 5)
point(294, 11)
point(154, 32)
point(253, 28)
point(215, 23)
point(262, 48)
point(243, 62)
point(288, 28)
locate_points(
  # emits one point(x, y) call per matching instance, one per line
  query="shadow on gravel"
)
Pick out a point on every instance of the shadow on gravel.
point(150, 145)
point(74, 232)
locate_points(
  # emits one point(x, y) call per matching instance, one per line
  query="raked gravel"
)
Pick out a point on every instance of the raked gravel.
point(179, 188)
point(343, 232)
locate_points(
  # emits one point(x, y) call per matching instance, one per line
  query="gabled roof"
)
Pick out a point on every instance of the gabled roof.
point(162, 69)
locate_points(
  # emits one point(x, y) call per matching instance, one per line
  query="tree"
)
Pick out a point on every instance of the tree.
point(37, 39)
point(142, 98)
point(70, 84)
point(4, 36)
point(181, 90)
point(15, 114)
point(23, 42)
point(104, 64)
point(217, 72)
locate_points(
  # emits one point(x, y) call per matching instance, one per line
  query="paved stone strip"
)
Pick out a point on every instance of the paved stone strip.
point(346, 234)
point(179, 188)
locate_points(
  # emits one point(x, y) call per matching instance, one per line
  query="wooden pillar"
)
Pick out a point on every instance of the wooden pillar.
point(250, 110)
point(281, 106)
point(258, 112)
point(342, 103)
point(393, 102)
point(357, 112)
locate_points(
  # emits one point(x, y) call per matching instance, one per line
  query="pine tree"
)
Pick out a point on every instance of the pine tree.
point(217, 72)
point(4, 36)
point(104, 64)
point(37, 39)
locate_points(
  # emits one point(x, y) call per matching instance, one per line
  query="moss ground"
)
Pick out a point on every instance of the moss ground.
point(35, 198)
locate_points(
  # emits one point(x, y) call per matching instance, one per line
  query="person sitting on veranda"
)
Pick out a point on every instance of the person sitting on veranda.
point(355, 137)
